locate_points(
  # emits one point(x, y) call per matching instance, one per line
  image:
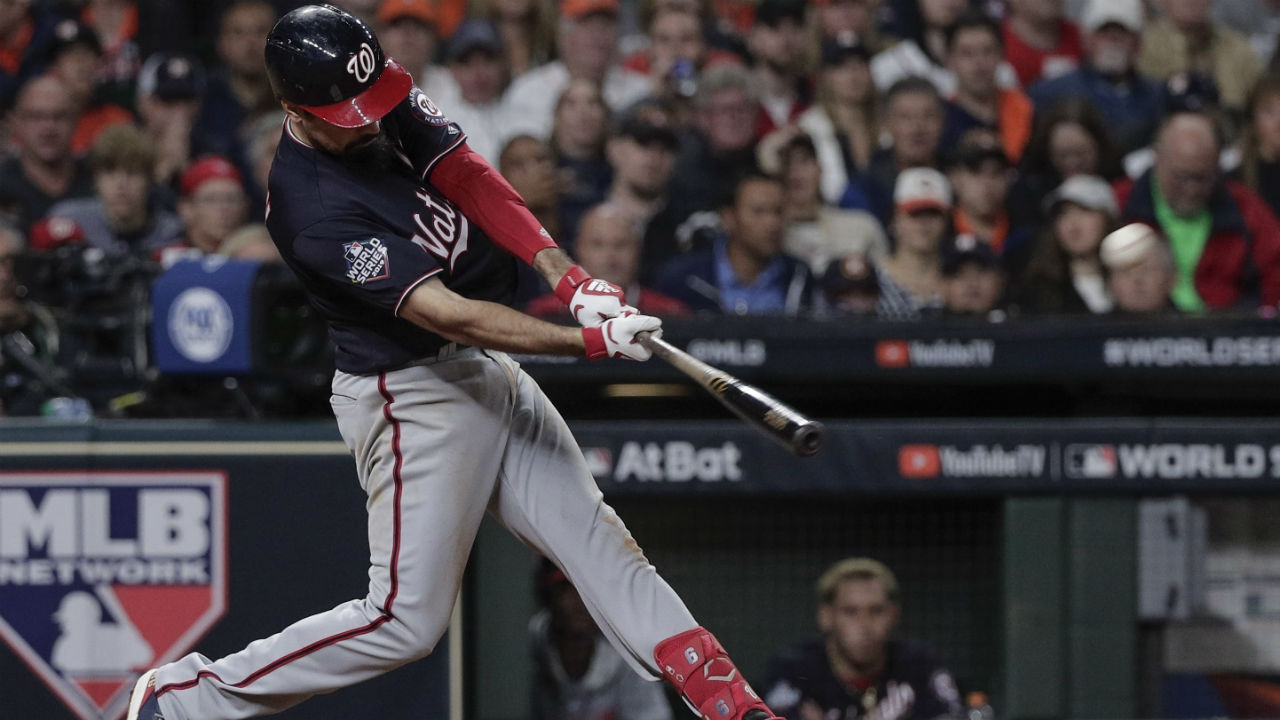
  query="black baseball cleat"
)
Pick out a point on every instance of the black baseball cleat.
point(756, 714)
point(143, 703)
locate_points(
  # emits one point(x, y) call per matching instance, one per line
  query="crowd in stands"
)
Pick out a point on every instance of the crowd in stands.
point(893, 159)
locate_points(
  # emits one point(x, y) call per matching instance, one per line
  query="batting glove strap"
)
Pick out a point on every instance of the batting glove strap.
point(569, 284)
point(593, 338)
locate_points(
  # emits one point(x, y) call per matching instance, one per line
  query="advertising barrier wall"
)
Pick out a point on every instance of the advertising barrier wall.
point(125, 544)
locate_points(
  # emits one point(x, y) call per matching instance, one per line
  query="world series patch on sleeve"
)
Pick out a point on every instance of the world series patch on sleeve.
point(104, 574)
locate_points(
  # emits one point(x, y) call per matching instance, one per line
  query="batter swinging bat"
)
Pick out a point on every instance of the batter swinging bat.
point(789, 428)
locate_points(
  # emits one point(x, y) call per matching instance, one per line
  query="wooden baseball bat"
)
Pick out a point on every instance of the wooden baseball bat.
point(766, 413)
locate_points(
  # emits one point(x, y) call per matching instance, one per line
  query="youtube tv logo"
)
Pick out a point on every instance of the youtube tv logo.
point(893, 353)
point(919, 461)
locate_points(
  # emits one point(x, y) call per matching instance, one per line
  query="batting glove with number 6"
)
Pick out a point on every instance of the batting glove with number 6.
point(616, 337)
point(591, 300)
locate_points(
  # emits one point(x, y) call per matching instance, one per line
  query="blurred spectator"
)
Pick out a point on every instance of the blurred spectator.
point(643, 156)
point(1141, 273)
point(28, 339)
point(527, 29)
point(409, 31)
point(1063, 274)
point(850, 18)
point(1039, 41)
point(973, 281)
point(1186, 39)
point(364, 9)
point(237, 92)
point(472, 94)
point(677, 52)
point(911, 277)
point(923, 52)
point(123, 217)
point(816, 232)
point(588, 43)
point(1258, 19)
point(262, 139)
point(844, 123)
point(213, 206)
point(980, 176)
point(115, 22)
point(608, 247)
point(745, 271)
point(777, 44)
point(1260, 141)
point(858, 668)
point(578, 144)
point(1194, 93)
point(1108, 77)
point(1225, 240)
point(43, 169)
point(26, 32)
point(577, 674)
point(913, 119)
point(527, 164)
point(250, 242)
point(169, 90)
point(1069, 139)
point(974, 46)
point(722, 147)
point(850, 286)
point(75, 60)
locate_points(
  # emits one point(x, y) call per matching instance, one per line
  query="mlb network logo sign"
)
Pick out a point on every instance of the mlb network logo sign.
point(106, 574)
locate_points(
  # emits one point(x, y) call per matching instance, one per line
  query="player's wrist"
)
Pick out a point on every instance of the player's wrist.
point(572, 279)
point(593, 342)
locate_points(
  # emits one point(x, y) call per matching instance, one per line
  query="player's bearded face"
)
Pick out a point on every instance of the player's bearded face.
point(859, 622)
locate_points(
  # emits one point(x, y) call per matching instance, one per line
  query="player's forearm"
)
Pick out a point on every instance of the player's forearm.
point(488, 325)
point(552, 264)
point(488, 200)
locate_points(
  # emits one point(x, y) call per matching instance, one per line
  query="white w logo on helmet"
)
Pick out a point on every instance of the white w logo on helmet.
point(361, 64)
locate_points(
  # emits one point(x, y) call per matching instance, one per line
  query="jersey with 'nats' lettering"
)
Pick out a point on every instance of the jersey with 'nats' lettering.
point(362, 237)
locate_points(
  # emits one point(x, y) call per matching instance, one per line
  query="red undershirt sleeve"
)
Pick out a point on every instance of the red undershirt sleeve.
point(488, 200)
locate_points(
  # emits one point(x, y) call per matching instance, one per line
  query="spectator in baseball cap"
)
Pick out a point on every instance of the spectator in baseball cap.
point(1141, 273)
point(76, 57)
point(477, 77)
point(409, 31)
point(1063, 272)
point(168, 100)
point(911, 281)
point(851, 286)
point(576, 672)
point(1108, 75)
point(779, 47)
point(213, 203)
point(981, 175)
point(973, 281)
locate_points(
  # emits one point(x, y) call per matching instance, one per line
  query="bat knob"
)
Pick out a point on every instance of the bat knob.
point(808, 438)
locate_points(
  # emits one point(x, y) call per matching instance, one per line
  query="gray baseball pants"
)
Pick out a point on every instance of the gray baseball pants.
point(437, 445)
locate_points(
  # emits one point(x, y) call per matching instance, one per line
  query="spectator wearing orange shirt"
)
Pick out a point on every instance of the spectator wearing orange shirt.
point(76, 56)
point(980, 176)
point(974, 54)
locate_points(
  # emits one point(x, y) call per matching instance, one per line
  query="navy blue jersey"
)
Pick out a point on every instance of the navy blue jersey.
point(360, 239)
point(913, 686)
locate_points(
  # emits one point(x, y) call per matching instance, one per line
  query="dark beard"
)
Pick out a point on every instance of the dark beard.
point(371, 156)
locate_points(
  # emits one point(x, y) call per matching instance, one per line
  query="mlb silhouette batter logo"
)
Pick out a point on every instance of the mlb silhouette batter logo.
point(106, 574)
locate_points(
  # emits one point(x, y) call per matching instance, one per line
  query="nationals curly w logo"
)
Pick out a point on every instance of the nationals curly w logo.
point(361, 64)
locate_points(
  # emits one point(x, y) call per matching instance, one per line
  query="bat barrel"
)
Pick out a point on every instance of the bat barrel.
point(808, 438)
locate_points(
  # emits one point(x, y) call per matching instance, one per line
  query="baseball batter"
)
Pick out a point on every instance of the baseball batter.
point(406, 240)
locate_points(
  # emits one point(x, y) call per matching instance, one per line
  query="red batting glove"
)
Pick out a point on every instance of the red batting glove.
point(592, 301)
